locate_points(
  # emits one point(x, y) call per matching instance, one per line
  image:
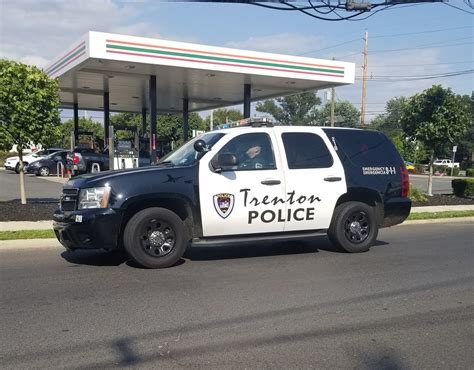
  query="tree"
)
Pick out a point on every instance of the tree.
point(29, 114)
point(346, 114)
point(300, 109)
point(436, 117)
point(167, 126)
point(390, 124)
point(223, 115)
point(390, 121)
point(466, 143)
point(85, 124)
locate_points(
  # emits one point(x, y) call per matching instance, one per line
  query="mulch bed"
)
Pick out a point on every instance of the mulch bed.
point(39, 210)
point(34, 210)
point(443, 200)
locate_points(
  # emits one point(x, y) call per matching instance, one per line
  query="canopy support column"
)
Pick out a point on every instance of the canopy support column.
point(153, 118)
point(143, 121)
point(76, 123)
point(106, 118)
point(247, 96)
point(185, 119)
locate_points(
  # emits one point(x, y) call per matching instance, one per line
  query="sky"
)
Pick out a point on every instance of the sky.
point(419, 40)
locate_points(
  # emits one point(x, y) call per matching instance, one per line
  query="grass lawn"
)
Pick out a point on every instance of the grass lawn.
point(432, 215)
point(26, 234)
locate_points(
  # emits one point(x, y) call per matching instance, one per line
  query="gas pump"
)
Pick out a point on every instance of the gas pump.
point(124, 153)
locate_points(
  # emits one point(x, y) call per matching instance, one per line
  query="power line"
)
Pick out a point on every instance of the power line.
point(420, 32)
point(416, 77)
point(455, 7)
point(421, 47)
point(389, 35)
point(422, 64)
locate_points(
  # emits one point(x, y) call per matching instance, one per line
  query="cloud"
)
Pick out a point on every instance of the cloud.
point(36, 31)
point(383, 65)
point(284, 43)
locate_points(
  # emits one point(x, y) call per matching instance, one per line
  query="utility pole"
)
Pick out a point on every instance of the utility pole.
point(364, 79)
point(333, 94)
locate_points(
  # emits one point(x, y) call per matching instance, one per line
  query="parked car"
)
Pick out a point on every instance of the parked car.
point(48, 165)
point(13, 163)
point(445, 163)
point(241, 185)
point(410, 167)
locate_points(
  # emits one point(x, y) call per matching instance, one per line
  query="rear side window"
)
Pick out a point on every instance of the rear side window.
point(363, 147)
point(306, 150)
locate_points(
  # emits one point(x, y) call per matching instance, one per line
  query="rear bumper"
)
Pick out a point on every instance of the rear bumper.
point(396, 210)
point(88, 229)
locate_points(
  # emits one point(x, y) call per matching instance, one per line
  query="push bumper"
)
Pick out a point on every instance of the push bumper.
point(396, 210)
point(88, 229)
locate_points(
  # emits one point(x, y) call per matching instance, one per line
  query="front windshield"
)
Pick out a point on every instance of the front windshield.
point(186, 155)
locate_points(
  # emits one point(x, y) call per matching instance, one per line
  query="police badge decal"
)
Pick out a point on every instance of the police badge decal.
point(223, 203)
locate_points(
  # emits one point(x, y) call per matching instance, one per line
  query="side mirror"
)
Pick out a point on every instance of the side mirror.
point(224, 162)
point(58, 158)
point(201, 146)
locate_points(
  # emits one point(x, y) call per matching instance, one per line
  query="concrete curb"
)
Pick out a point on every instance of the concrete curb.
point(451, 220)
point(25, 225)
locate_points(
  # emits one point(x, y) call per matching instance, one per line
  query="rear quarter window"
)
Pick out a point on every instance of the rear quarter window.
point(363, 148)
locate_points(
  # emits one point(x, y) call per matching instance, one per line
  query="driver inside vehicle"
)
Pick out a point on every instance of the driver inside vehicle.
point(251, 155)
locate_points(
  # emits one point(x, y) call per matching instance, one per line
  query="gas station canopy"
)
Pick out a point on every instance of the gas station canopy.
point(205, 77)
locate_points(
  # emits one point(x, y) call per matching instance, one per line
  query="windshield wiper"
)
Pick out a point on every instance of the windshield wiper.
point(166, 163)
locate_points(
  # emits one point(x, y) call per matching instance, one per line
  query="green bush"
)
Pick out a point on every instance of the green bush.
point(420, 168)
point(417, 195)
point(470, 172)
point(463, 187)
point(438, 169)
point(4, 155)
point(447, 171)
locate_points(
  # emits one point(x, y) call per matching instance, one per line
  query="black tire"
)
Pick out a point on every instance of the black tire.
point(17, 167)
point(155, 238)
point(44, 171)
point(354, 227)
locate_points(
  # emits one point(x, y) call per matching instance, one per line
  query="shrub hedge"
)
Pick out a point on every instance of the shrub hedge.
point(463, 187)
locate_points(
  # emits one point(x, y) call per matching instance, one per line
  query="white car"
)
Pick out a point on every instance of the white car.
point(445, 163)
point(13, 163)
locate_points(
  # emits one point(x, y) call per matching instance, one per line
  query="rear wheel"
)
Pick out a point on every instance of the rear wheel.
point(155, 238)
point(353, 227)
point(44, 171)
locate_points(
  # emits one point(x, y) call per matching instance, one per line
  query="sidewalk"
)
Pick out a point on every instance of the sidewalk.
point(464, 207)
point(45, 225)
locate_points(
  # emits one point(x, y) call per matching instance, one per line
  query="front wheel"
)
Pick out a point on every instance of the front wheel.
point(44, 171)
point(155, 238)
point(353, 227)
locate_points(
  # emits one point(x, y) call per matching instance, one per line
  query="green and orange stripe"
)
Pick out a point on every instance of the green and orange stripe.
point(68, 58)
point(207, 57)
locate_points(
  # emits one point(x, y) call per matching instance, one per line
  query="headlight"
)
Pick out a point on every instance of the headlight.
point(94, 198)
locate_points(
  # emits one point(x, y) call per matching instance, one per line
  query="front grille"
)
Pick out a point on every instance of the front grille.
point(69, 199)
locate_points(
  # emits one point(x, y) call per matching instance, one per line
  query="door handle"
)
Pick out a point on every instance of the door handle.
point(332, 178)
point(271, 182)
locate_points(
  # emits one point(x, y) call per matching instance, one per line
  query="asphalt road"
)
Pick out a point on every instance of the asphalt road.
point(407, 303)
point(36, 188)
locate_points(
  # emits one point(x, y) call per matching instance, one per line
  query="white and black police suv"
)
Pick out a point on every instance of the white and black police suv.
point(244, 184)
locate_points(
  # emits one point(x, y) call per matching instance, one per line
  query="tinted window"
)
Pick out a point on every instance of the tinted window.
point(253, 151)
point(363, 147)
point(305, 150)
